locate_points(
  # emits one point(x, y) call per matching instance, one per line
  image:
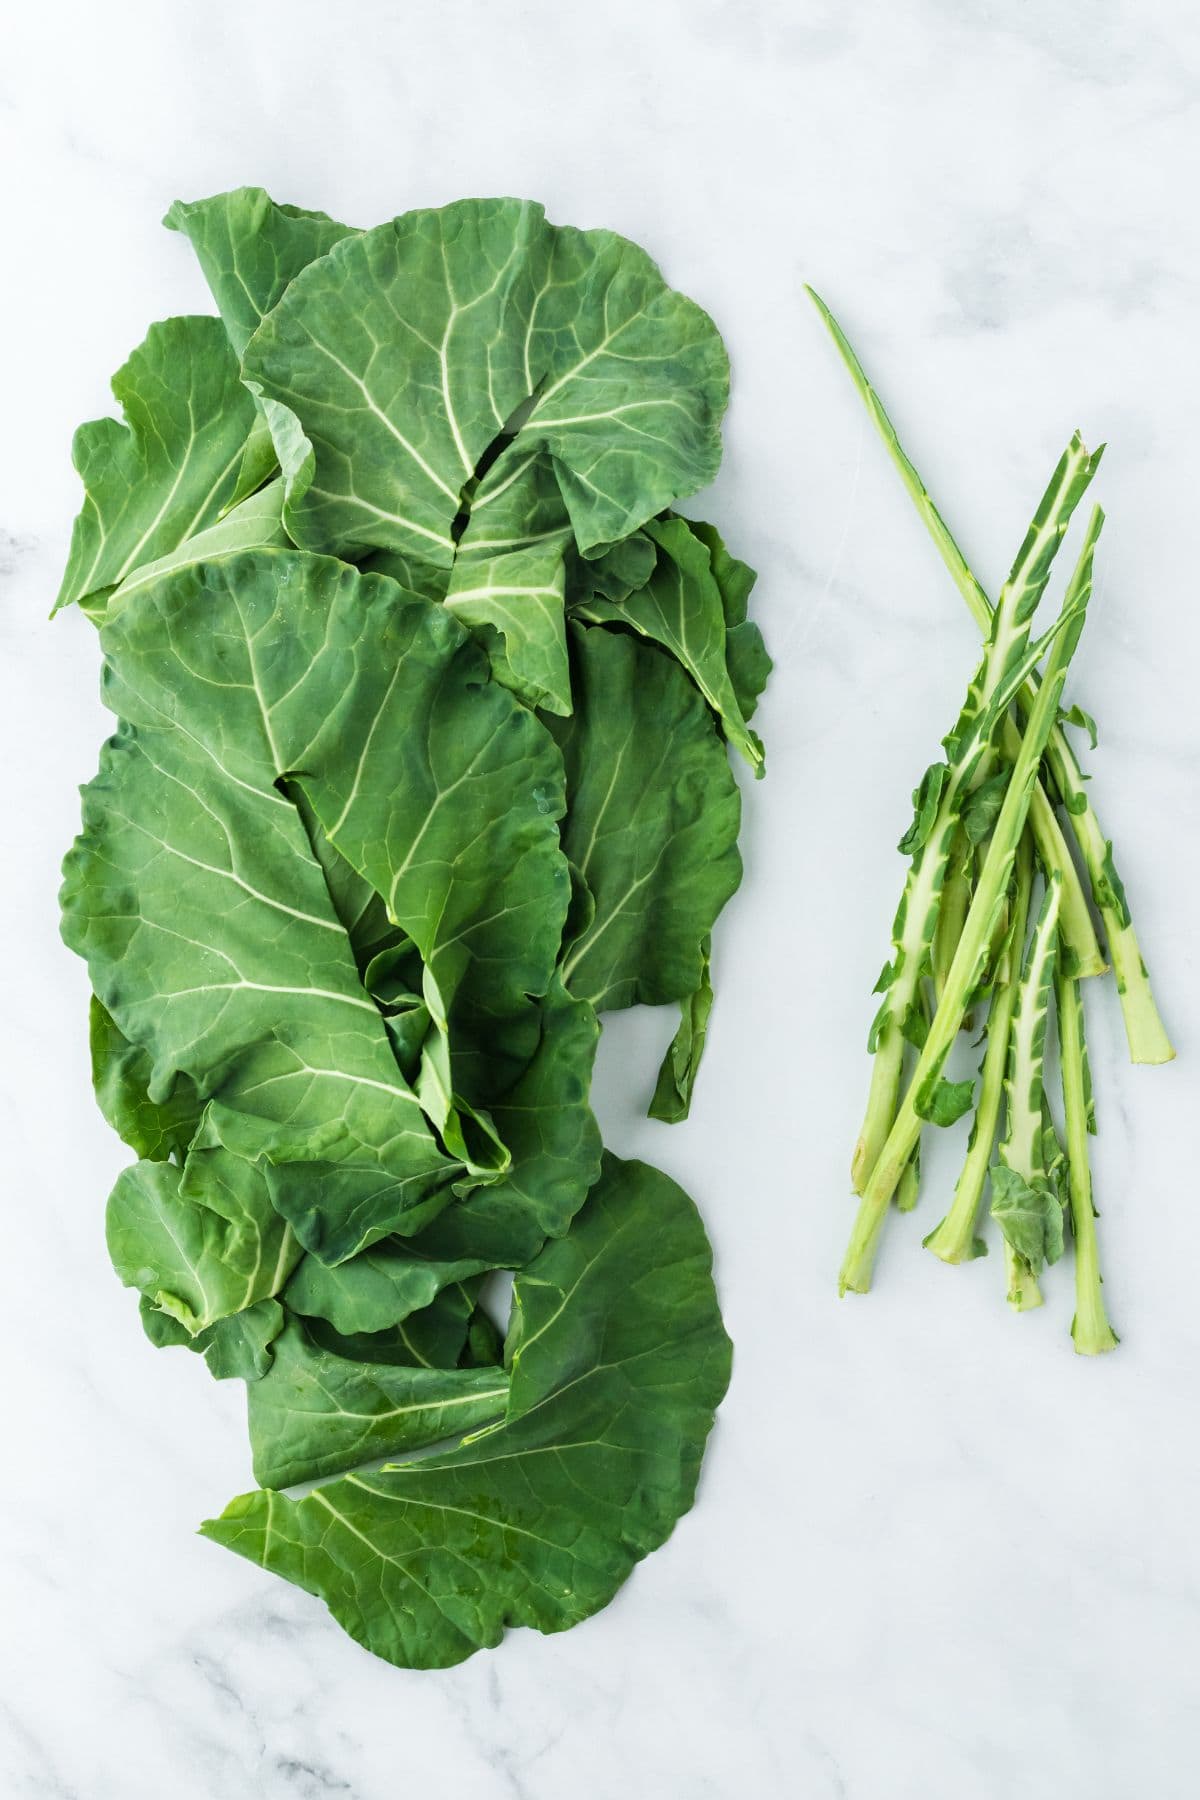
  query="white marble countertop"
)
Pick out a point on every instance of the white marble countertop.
point(935, 1556)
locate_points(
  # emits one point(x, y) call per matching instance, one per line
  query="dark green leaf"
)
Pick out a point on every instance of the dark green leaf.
point(652, 822)
point(618, 1360)
point(122, 1074)
point(168, 471)
point(677, 1076)
point(235, 1348)
point(313, 1414)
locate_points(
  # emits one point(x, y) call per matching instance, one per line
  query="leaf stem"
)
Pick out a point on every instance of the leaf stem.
point(954, 1239)
point(977, 931)
point(1090, 1328)
point(946, 788)
point(1144, 1028)
point(1022, 1149)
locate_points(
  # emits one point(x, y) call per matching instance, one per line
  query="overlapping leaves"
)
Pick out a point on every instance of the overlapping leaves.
point(423, 695)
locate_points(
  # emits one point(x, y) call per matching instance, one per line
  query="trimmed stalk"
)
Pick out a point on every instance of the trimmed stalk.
point(956, 898)
point(1090, 1328)
point(909, 1190)
point(1148, 1040)
point(1075, 928)
point(1025, 1201)
point(955, 1240)
point(945, 790)
point(1144, 1029)
point(921, 1099)
point(910, 1182)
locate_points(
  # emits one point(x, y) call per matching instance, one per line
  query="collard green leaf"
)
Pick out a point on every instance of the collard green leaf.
point(615, 573)
point(634, 382)
point(168, 470)
point(745, 653)
point(652, 822)
point(618, 1360)
point(677, 1076)
point(121, 1073)
point(250, 248)
point(211, 941)
point(407, 351)
point(544, 1117)
point(519, 598)
point(384, 954)
point(433, 1337)
point(484, 1343)
point(235, 1348)
point(680, 608)
point(255, 524)
point(427, 778)
point(200, 1242)
point(314, 1414)
point(375, 1289)
point(208, 925)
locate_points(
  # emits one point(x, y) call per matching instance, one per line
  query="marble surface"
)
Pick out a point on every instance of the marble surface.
point(936, 1556)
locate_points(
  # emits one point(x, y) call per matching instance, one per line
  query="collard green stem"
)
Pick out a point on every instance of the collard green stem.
point(1144, 1029)
point(956, 898)
point(946, 787)
point(954, 1239)
point(971, 955)
point(1025, 1203)
point(1148, 1040)
point(1090, 1328)
point(908, 1192)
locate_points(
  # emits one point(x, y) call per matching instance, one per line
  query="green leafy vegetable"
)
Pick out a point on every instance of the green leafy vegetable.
point(167, 472)
point(680, 607)
point(424, 696)
point(617, 1361)
point(652, 824)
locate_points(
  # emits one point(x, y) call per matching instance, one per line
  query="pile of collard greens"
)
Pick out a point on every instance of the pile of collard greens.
point(423, 697)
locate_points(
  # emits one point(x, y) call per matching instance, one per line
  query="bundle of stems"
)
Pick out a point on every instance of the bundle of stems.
point(971, 936)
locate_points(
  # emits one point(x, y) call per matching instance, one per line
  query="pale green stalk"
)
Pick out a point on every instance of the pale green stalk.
point(955, 1240)
point(956, 898)
point(1090, 1328)
point(909, 1187)
point(1021, 1148)
point(1148, 1040)
point(968, 763)
point(971, 955)
point(1144, 1029)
